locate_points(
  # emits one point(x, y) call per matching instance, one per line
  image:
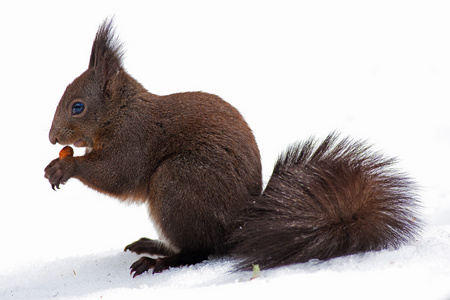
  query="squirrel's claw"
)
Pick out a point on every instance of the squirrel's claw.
point(58, 172)
point(142, 265)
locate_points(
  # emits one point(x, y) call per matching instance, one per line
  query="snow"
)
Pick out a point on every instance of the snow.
point(373, 70)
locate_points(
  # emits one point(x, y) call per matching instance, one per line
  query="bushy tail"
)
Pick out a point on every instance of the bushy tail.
point(328, 200)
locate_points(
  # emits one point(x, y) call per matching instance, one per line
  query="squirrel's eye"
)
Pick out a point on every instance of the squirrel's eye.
point(77, 108)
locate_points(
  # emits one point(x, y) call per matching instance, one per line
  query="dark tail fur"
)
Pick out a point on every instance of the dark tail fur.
point(334, 199)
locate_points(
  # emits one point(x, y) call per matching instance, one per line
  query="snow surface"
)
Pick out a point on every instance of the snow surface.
point(377, 70)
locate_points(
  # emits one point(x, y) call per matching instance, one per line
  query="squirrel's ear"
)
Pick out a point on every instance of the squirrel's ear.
point(106, 54)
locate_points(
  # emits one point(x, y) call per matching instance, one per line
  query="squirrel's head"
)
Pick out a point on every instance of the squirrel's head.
point(85, 105)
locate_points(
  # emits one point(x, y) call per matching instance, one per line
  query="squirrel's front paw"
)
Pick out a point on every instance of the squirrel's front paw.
point(59, 171)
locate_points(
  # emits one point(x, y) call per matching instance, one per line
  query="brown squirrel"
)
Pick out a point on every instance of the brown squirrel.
point(193, 160)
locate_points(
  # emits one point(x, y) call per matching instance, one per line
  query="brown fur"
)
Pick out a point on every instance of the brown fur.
point(193, 160)
point(324, 201)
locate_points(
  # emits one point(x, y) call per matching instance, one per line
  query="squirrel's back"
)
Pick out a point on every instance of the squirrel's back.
point(210, 167)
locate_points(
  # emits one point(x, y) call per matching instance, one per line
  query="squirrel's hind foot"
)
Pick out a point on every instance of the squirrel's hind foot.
point(142, 265)
point(160, 264)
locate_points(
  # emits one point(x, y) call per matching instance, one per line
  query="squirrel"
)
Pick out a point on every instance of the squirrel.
point(192, 159)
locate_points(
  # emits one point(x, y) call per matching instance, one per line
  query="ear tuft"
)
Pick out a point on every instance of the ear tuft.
point(107, 53)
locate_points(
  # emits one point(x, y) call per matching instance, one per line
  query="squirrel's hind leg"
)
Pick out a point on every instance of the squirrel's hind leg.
point(178, 260)
point(160, 264)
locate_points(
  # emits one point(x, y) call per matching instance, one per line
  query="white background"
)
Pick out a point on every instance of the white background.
point(375, 70)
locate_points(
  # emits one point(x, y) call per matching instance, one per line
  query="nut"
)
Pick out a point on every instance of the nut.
point(67, 151)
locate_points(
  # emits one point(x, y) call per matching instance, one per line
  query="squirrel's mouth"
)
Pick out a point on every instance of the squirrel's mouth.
point(80, 143)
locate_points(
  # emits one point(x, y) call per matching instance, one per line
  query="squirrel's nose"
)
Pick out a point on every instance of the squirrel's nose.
point(52, 136)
